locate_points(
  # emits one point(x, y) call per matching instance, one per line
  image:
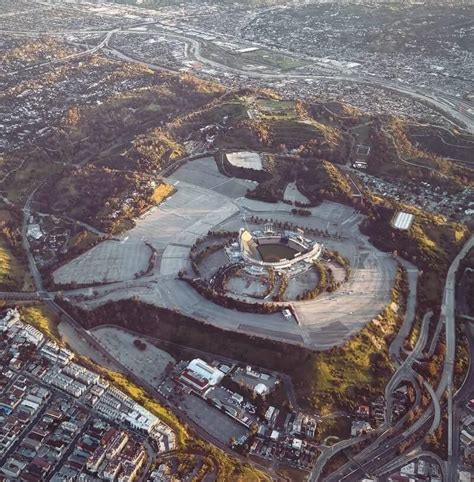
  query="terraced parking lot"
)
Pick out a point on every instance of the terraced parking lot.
point(198, 206)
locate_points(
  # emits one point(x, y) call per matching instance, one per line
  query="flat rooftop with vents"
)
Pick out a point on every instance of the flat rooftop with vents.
point(402, 220)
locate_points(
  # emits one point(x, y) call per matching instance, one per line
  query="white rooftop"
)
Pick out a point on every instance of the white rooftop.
point(249, 160)
point(261, 389)
point(204, 370)
point(402, 220)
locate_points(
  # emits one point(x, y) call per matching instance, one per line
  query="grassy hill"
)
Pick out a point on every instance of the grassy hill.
point(430, 243)
point(107, 199)
point(98, 164)
point(448, 144)
point(323, 180)
point(394, 153)
point(103, 157)
point(14, 274)
point(11, 269)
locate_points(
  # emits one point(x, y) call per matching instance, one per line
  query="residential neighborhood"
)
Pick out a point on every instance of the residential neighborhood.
point(60, 419)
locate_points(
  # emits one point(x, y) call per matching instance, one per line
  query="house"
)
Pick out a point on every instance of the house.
point(359, 427)
point(12, 468)
point(363, 411)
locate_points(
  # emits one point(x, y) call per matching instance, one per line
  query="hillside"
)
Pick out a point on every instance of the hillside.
point(323, 180)
point(96, 164)
point(396, 154)
point(431, 243)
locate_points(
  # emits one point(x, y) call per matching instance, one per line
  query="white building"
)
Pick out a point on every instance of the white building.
point(11, 317)
point(200, 375)
point(402, 221)
point(260, 389)
point(34, 231)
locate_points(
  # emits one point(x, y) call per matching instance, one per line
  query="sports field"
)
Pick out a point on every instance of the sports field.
point(271, 253)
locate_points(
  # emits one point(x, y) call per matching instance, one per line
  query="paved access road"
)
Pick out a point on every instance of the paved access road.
point(404, 371)
point(448, 317)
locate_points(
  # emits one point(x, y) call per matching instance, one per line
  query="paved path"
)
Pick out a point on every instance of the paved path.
point(412, 278)
point(404, 372)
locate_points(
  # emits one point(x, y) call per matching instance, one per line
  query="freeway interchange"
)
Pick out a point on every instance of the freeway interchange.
point(462, 112)
point(459, 111)
point(382, 455)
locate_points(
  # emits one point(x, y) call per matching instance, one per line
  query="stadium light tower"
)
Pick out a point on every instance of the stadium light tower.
point(268, 228)
point(244, 219)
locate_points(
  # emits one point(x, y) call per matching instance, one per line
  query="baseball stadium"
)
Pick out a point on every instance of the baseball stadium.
point(277, 250)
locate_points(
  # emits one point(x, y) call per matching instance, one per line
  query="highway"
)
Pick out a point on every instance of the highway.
point(86, 335)
point(436, 99)
point(329, 452)
point(82, 53)
point(376, 455)
point(443, 102)
point(462, 396)
point(416, 453)
point(405, 372)
point(448, 316)
point(385, 447)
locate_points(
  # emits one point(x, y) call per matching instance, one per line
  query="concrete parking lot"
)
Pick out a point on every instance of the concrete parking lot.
point(193, 210)
point(211, 419)
point(109, 261)
point(293, 194)
point(149, 363)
